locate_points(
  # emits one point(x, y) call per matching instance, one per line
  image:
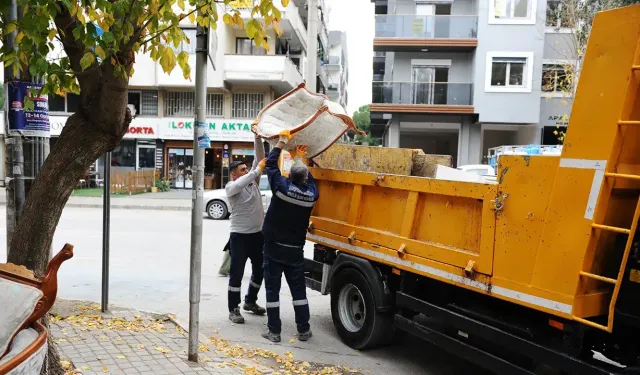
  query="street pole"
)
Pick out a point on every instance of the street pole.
point(200, 143)
point(312, 44)
point(106, 228)
point(14, 162)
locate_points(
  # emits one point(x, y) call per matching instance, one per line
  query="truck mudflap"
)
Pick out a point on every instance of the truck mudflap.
point(468, 327)
point(317, 276)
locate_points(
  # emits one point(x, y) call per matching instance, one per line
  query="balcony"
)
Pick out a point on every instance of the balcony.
point(292, 24)
point(425, 33)
point(422, 97)
point(275, 70)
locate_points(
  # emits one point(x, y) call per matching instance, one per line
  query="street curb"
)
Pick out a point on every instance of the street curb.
point(124, 207)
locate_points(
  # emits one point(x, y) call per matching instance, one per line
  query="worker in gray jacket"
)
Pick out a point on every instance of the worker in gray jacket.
point(247, 216)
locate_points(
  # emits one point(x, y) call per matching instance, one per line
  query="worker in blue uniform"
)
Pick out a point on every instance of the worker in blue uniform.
point(285, 229)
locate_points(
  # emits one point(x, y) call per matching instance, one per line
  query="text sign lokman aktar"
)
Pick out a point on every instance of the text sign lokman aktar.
point(28, 112)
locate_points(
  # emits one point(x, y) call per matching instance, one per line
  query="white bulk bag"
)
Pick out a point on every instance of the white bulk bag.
point(315, 121)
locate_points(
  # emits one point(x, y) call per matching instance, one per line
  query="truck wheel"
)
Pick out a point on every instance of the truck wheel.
point(354, 313)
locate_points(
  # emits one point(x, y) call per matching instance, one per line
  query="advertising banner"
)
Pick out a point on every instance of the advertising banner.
point(28, 112)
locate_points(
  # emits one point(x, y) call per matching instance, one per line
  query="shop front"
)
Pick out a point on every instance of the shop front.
point(231, 139)
point(137, 150)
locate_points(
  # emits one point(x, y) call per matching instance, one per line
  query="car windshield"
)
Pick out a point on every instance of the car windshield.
point(264, 183)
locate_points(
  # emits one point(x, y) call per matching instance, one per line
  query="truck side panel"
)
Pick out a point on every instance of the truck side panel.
point(445, 221)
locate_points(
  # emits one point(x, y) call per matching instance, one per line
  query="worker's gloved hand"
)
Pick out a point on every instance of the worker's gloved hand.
point(262, 164)
point(301, 151)
point(285, 136)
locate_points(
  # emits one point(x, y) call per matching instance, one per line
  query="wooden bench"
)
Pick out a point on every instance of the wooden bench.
point(19, 352)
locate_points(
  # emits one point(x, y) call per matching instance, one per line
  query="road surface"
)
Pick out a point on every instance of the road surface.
point(149, 270)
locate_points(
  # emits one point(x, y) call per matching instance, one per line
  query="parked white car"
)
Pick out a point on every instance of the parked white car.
point(217, 205)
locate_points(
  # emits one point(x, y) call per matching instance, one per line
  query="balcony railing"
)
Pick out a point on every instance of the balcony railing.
point(424, 93)
point(427, 27)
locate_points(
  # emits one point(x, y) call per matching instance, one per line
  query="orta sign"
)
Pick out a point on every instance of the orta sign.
point(218, 129)
point(140, 128)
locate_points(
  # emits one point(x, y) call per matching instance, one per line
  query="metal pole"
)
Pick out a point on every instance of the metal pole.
point(312, 44)
point(200, 143)
point(14, 161)
point(106, 226)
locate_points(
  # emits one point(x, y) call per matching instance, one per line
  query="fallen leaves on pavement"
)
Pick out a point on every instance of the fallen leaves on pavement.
point(285, 365)
point(90, 318)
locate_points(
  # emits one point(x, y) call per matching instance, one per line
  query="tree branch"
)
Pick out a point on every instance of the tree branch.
point(65, 23)
point(169, 27)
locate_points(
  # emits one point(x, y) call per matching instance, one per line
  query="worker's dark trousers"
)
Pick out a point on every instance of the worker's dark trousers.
point(243, 247)
point(290, 261)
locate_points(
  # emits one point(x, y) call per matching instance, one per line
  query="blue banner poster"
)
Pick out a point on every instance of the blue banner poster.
point(27, 117)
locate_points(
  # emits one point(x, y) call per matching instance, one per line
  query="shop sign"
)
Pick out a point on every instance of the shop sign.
point(227, 130)
point(140, 128)
point(145, 130)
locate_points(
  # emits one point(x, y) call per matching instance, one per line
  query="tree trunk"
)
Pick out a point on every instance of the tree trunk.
point(79, 145)
point(96, 128)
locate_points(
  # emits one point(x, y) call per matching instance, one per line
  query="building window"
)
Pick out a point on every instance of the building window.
point(509, 72)
point(246, 105)
point(149, 103)
point(69, 103)
point(512, 11)
point(557, 16)
point(182, 103)
point(245, 46)
point(144, 103)
point(556, 78)
point(188, 47)
point(57, 103)
point(73, 103)
point(179, 103)
point(215, 104)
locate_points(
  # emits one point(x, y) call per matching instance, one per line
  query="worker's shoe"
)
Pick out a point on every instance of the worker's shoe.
point(254, 308)
point(273, 337)
point(236, 317)
point(305, 336)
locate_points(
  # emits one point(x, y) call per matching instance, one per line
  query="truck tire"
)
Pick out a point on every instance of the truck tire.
point(354, 313)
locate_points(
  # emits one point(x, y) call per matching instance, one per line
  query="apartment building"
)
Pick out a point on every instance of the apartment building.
point(458, 77)
point(338, 68)
point(245, 79)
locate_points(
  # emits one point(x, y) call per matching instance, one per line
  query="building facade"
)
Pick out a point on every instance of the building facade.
point(337, 67)
point(245, 79)
point(458, 77)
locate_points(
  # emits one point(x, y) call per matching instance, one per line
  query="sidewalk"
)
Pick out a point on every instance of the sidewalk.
point(175, 200)
point(127, 341)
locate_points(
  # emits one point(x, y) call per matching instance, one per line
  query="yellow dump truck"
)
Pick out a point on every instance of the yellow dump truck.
point(540, 267)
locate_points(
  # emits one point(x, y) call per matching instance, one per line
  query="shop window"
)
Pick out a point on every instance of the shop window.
point(146, 157)
point(246, 105)
point(57, 103)
point(124, 155)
